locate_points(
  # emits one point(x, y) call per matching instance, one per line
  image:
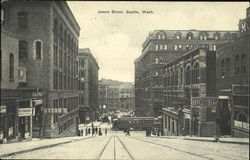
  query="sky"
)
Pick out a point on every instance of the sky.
point(115, 40)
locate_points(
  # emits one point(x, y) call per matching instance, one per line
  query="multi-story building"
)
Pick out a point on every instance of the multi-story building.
point(126, 95)
point(191, 75)
point(116, 95)
point(232, 69)
point(88, 71)
point(48, 48)
point(161, 47)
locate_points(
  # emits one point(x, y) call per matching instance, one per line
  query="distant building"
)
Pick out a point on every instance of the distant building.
point(47, 34)
point(191, 75)
point(160, 48)
point(88, 72)
point(232, 72)
point(116, 95)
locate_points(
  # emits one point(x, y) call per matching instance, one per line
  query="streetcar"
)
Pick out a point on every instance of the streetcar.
point(136, 123)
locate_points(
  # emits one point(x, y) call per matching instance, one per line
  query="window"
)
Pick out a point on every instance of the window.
point(189, 36)
point(175, 47)
point(215, 47)
point(243, 64)
point(163, 36)
point(156, 60)
point(237, 65)
point(156, 73)
point(38, 51)
point(22, 20)
point(11, 67)
point(187, 73)
point(55, 55)
point(178, 36)
point(222, 68)
point(55, 80)
point(161, 47)
point(180, 46)
point(181, 75)
point(216, 37)
point(227, 67)
point(159, 36)
point(201, 37)
point(23, 49)
point(2, 15)
point(187, 47)
point(196, 75)
point(156, 47)
point(165, 46)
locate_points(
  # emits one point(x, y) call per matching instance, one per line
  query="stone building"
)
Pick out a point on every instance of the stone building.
point(47, 34)
point(232, 73)
point(88, 73)
point(161, 47)
point(191, 75)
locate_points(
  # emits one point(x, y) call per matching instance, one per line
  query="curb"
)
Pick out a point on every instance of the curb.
point(220, 141)
point(41, 147)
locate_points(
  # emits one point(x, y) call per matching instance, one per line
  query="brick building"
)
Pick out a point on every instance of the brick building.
point(48, 48)
point(161, 47)
point(190, 75)
point(88, 73)
point(232, 61)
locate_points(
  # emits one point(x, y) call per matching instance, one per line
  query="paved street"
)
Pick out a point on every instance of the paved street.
point(116, 145)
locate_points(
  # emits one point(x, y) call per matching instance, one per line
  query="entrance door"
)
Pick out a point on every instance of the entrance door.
point(22, 127)
point(225, 117)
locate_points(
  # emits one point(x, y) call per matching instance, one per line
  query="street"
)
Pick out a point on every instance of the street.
point(116, 145)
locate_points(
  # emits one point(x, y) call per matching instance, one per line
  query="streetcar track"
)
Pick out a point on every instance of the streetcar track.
point(124, 146)
point(100, 154)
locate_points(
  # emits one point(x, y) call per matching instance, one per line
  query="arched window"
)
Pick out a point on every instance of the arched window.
point(188, 75)
point(190, 36)
point(237, 65)
point(196, 74)
point(22, 20)
point(243, 64)
point(203, 36)
point(222, 68)
point(23, 49)
point(11, 67)
point(156, 60)
point(181, 76)
point(216, 36)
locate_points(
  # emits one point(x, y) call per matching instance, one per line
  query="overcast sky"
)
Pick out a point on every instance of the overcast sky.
point(116, 40)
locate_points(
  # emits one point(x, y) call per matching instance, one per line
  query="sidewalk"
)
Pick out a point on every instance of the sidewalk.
point(36, 143)
point(209, 139)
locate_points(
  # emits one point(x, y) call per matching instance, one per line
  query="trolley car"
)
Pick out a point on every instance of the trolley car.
point(137, 123)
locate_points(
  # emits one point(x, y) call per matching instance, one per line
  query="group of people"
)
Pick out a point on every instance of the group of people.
point(92, 130)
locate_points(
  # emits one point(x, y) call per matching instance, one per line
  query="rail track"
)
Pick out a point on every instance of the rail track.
point(115, 150)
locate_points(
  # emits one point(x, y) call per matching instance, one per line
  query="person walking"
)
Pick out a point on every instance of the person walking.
point(100, 132)
point(106, 131)
point(89, 130)
point(81, 132)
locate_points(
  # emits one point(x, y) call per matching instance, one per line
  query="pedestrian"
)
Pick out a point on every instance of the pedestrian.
point(96, 130)
point(89, 130)
point(158, 132)
point(128, 132)
point(86, 132)
point(81, 132)
point(100, 132)
point(106, 131)
point(93, 131)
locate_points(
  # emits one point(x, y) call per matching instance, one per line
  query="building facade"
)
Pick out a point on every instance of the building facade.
point(161, 47)
point(47, 35)
point(116, 95)
point(88, 71)
point(232, 71)
point(188, 78)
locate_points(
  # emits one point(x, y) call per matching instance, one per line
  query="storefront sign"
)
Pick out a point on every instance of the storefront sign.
point(204, 101)
point(2, 109)
point(25, 112)
point(55, 110)
point(240, 89)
